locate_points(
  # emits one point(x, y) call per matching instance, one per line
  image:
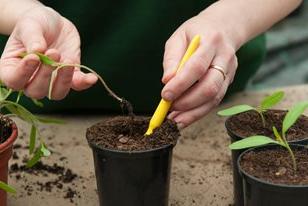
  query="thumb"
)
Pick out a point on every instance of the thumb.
point(31, 34)
point(174, 50)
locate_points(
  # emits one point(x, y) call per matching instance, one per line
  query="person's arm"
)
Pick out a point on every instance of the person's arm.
point(224, 27)
point(12, 10)
point(245, 19)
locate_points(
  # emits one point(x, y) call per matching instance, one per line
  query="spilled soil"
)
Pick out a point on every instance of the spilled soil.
point(58, 178)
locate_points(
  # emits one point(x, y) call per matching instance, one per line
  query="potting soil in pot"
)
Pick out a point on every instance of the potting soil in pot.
point(127, 134)
point(250, 123)
point(275, 166)
point(5, 128)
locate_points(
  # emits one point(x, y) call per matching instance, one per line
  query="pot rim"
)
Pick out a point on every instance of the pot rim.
point(127, 152)
point(242, 172)
point(9, 142)
point(239, 137)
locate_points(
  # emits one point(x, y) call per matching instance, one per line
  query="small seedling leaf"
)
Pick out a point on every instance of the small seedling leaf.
point(252, 141)
point(32, 139)
point(45, 151)
point(7, 188)
point(45, 59)
point(272, 100)
point(293, 114)
point(37, 103)
point(235, 110)
point(50, 120)
point(35, 159)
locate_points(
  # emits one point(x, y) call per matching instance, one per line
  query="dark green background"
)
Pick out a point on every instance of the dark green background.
point(124, 42)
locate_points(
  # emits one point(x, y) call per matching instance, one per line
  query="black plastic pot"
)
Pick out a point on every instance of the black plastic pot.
point(258, 192)
point(133, 178)
point(237, 179)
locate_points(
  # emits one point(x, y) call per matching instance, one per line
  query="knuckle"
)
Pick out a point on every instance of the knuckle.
point(199, 66)
point(211, 90)
point(216, 100)
point(229, 55)
point(181, 105)
point(215, 37)
point(35, 94)
point(12, 84)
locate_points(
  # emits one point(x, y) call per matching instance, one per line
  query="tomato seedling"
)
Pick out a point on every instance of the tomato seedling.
point(267, 103)
point(280, 138)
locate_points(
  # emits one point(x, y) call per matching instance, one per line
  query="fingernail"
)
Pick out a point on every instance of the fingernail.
point(168, 96)
point(32, 64)
point(35, 47)
point(91, 79)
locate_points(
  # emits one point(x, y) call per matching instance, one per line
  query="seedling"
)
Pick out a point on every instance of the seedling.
point(267, 103)
point(14, 109)
point(260, 140)
point(58, 65)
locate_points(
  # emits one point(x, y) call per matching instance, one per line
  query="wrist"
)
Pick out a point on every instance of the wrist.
point(10, 15)
point(222, 16)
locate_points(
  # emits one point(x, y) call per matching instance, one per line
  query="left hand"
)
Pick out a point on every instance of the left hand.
point(198, 88)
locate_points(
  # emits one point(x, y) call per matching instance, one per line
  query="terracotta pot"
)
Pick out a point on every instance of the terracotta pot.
point(5, 154)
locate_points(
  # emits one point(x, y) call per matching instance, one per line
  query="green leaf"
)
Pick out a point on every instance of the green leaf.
point(7, 188)
point(18, 96)
point(293, 114)
point(45, 59)
point(35, 159)
point(272, 100)
point(235, 110)
point(32, 139)
point(3, 93)
point(252, 141)
point(44, 150)
point(50, 120)
point(37, 103)
point(20, 111)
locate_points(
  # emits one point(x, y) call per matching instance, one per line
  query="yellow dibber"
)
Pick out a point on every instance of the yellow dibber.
point(164, 106)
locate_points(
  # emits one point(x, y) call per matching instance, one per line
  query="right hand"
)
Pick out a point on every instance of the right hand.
point(42, 29)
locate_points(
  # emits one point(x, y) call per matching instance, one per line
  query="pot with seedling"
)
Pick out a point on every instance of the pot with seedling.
point(274, 175)
point(246, 120)
point(131, 168)
point(8, 134)
point(132, 154)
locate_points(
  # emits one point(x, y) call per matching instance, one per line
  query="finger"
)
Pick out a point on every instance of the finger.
point(37, 88)
point(174, 50)
point(173, 114)
point(203, 91)
point(192, 71)
point(83, 81)
point(16, 72)
point(31, 34)
point(62, 82)
point(188, 117)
